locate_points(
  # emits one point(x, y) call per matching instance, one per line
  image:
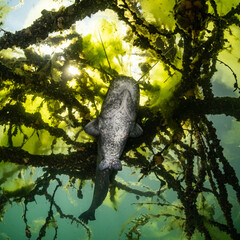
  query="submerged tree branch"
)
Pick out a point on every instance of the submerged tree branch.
point(73, 164)
point(52, 21)
point(215, 106)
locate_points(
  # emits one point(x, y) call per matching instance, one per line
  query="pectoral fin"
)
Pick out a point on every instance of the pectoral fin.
point(92, 128)
point(136, 131)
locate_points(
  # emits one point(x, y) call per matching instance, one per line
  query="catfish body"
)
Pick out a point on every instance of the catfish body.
point(114, 125)
point(116, 121)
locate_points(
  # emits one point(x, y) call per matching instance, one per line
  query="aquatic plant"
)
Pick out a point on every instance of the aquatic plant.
point(53, 80)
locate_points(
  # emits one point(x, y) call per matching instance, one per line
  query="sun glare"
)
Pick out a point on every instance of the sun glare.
point(73, 70)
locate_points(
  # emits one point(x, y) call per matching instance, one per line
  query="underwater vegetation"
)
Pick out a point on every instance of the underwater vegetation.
point(54, 75)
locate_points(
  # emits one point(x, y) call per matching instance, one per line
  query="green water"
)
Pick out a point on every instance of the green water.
point(110, 223)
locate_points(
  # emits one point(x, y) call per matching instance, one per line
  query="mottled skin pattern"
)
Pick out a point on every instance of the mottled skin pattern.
point(114, 125)
point(117, 120)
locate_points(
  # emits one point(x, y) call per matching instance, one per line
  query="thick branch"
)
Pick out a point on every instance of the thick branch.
point(52, 21)
point(219, 105)
point(74, 164)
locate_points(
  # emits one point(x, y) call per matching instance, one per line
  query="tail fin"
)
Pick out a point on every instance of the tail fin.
point(116, 165)
point(86, 216)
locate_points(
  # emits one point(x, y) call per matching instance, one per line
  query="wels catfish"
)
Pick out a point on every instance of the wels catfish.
point(116, 122)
